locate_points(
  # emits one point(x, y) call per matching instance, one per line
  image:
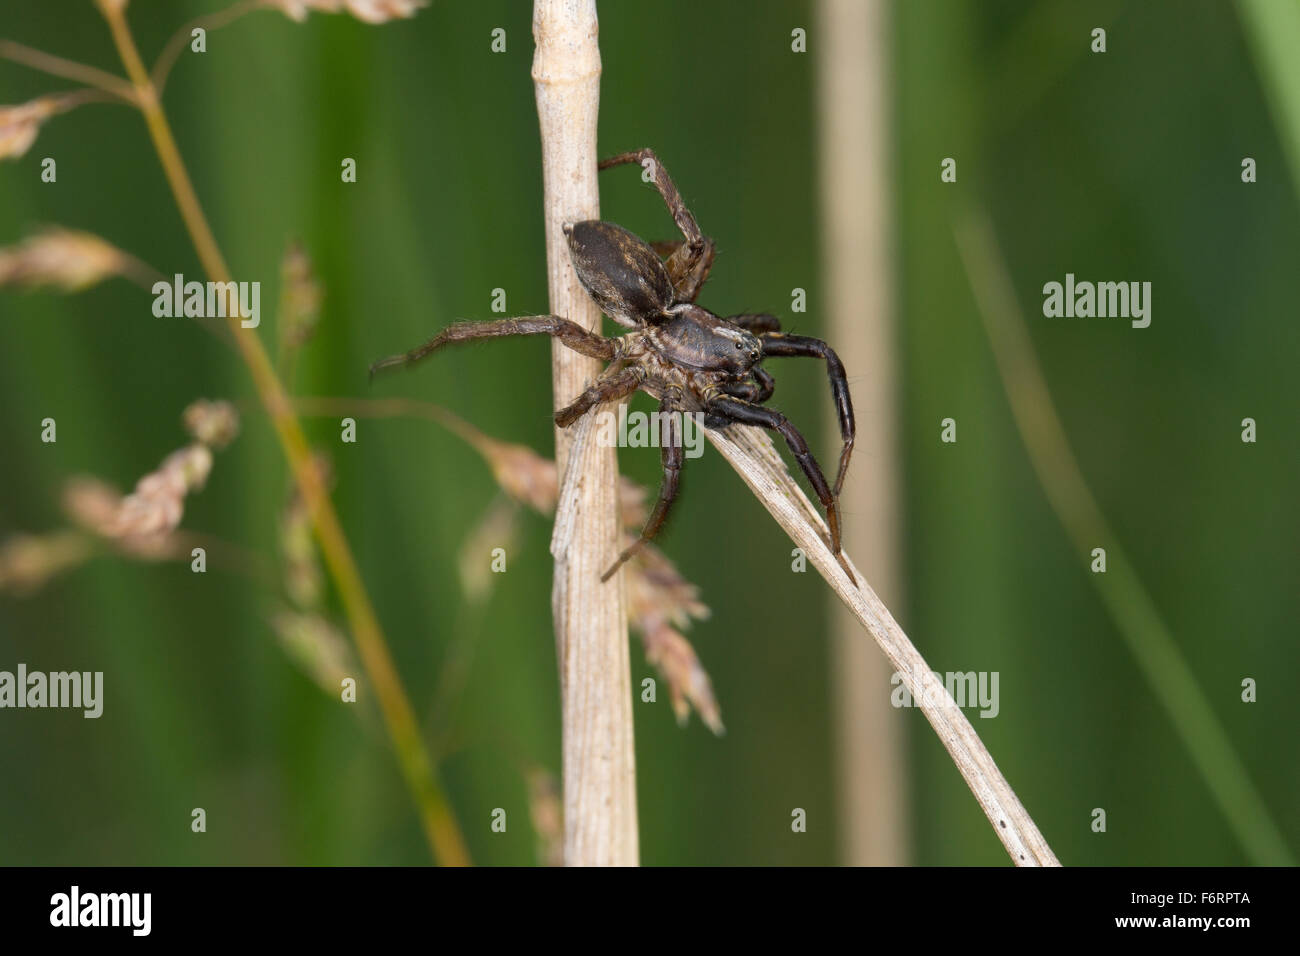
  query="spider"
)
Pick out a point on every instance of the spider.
point(690, 359)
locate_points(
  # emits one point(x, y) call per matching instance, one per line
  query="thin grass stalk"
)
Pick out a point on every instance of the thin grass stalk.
point(599, 762)
point(854, 136)
point(436, 816)
point(751, 453)
point(67, 69)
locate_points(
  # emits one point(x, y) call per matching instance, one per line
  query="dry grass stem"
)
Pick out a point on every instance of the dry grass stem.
point(751, 453)
point(115, 86)
point(590, 618)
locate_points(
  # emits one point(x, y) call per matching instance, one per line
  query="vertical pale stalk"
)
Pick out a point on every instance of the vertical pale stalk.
point(600, 825)
point(417, 767)
point(853, 126)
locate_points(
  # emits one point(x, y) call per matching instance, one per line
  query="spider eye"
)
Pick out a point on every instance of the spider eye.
point(740, 345)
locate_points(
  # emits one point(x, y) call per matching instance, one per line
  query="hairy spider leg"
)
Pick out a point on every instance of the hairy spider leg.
point(735, 410)
point(686, 284)
point(759, 323)
point(780, 345)
point(689, 263)
point(670, 444)
point(570, 333)
point(607, 388)
point(777, 344)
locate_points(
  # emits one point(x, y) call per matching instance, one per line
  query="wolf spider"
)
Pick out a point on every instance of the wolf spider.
point(690, 359)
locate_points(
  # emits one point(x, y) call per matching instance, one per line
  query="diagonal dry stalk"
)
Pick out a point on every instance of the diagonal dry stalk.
point(600, 824)
point(751, 453)
point(435, 812)
point(68, 69)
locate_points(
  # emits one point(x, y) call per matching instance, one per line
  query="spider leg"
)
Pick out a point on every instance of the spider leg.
point(734, 410)
point(570, 333)
point(778, 344)
point(756, 392)
point(760, 323)
point(664, 183)
point(607, 388)
point(676, 255)
point(690, 272)
point(689, 263)
point(670, 444)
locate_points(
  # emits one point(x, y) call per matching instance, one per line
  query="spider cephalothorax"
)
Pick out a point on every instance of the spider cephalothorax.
point(681, 353)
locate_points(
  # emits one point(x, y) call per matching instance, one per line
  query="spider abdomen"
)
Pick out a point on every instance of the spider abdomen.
point(619, 271)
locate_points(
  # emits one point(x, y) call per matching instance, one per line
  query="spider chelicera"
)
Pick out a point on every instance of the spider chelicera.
point(690, 359)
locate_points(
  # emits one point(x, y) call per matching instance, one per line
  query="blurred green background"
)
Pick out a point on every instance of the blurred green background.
point(1117, 166)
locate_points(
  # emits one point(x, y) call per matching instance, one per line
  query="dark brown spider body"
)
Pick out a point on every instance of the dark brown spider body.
point(682, 354)
point(696, 338)
point(619, 271)
point(690, 358)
